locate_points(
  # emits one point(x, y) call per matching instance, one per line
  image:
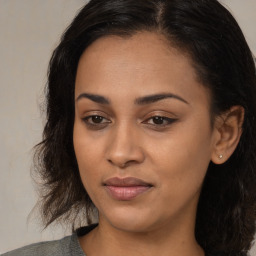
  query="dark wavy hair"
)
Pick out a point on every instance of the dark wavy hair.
point(210, 36)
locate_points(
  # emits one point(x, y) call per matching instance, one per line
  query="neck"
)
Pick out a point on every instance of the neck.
point(167, 240)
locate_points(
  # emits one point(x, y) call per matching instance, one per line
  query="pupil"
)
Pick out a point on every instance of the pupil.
point(97, 119)
point(158, 120)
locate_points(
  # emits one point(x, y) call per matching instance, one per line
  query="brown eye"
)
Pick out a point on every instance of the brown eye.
point(160, 120)
point(96, 120)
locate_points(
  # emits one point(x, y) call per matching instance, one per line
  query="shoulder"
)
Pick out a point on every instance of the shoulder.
point(61, 247)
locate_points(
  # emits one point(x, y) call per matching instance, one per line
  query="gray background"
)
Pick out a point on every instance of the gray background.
point(29, 31)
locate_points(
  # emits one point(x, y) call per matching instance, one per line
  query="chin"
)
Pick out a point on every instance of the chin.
point(134, 221)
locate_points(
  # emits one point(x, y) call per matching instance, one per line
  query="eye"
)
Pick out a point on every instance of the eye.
point(96, 120)
point(160, 120)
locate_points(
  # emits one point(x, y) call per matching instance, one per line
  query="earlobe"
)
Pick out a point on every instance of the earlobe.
point(228, 130)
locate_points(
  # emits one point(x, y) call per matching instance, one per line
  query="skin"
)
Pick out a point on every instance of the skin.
point(127, 141)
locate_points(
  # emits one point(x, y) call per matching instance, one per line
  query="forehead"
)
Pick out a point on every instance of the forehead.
point(143, 62)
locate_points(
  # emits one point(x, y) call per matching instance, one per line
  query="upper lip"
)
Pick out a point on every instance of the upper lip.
point(126, 182)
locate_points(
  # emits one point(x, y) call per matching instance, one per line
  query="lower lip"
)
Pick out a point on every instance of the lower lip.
point(126, 193)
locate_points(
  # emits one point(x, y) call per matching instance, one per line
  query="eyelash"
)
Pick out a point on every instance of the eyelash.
point(166, 121)
point(88, 121)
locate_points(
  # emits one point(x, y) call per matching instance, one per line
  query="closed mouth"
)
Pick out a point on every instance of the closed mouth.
point(126, 189)
point(126, 182)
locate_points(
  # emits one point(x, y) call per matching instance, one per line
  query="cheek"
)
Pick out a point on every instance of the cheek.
point(182, 159)
point(87, 153)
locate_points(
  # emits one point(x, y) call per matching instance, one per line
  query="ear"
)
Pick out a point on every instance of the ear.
point(228, 130)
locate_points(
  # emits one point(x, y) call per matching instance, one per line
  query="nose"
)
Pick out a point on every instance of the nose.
point(124, 149)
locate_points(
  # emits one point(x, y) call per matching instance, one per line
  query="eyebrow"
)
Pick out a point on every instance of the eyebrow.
point(157, 97)
point(94, 97)
point(139, 101)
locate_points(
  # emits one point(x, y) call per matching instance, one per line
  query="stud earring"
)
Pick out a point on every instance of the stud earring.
point(220, 156)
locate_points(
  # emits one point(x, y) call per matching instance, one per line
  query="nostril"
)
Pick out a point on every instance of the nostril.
point(122, 164)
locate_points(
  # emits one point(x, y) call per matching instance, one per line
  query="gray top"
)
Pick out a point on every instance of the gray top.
point(67, 246)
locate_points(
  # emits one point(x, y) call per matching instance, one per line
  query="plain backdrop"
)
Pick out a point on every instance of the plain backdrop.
point(29, 31)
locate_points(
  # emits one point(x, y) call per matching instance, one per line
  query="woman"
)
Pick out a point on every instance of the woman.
point(150, 125)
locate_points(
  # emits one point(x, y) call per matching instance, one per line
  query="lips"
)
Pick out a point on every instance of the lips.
point(127, 188)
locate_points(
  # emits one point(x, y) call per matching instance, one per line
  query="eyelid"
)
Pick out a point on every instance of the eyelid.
point(160, 113)
point(168, 119)
point(91, 116)
point(94, 125)
point(90, 113)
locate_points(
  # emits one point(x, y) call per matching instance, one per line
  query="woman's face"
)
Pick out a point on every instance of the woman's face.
point(142, 133)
